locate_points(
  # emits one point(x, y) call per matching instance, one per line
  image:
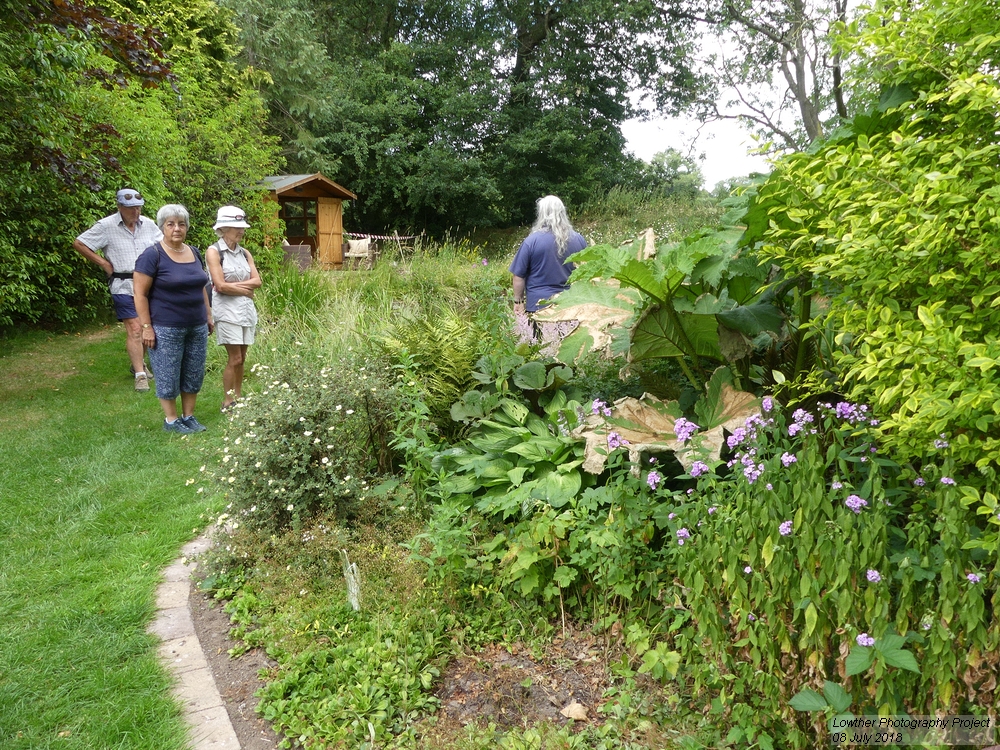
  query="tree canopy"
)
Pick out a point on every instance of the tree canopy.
point(451, 114)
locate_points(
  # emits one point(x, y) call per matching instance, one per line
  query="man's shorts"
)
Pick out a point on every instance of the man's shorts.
point(124, 306)
point(233, 333)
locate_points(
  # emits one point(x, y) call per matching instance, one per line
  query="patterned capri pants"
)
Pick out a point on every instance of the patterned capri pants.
point(178, 359)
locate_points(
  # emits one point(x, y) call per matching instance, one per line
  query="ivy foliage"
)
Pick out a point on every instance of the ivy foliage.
point(896, 216)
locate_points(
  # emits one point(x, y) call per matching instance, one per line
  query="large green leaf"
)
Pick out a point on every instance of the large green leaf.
point(657, 335)
point(638, 275)
point(753, 319)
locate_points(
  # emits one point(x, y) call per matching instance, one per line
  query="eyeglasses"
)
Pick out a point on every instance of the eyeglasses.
point(131, 196)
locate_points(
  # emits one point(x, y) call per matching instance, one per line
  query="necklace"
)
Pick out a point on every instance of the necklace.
point(175, 250)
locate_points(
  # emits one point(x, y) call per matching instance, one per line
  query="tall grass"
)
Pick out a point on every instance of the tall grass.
point(94, 503)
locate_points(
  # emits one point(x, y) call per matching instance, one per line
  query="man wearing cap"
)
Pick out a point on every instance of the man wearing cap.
point(121, 237)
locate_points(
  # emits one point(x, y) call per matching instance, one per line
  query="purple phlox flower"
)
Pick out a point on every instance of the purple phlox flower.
point(698, 468)
point(785, 528)
point(852, 413)
point(767, 403)
point(684, 429)
point(864, 459)
point(769, 486)
point(682, 534)
point(712, 510)
point(973, 578)
point(835, 485)
point(752, 473)
point(864, 639)
point(748, 569)
point(855, 503)
point(752, 617)
point(485, 262)
point(738, 436)
point(787, 459)
point(941, 443)
point(730, 463)
point(616, 441)
point(690, 492)
point(652, 460)
point(919, 481)
point(671, 516)
point(947, 480)
point(802, 417)
point(873, 422)
point(599, 408)
point(793, 429)
point(653, 479)
point(874, 576)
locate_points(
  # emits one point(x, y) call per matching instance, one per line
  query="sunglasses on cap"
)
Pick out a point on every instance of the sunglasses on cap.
point(234, 217)
point(130, 196)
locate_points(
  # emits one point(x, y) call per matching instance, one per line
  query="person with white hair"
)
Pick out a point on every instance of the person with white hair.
point(540, 268)
point(175, 317)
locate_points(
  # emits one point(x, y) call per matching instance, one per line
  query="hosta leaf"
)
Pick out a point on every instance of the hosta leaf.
point(530, 376)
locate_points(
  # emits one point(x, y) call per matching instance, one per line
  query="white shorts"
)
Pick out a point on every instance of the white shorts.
point(231, 333)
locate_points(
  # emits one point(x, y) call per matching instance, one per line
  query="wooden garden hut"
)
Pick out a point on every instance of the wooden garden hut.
point(311, 206)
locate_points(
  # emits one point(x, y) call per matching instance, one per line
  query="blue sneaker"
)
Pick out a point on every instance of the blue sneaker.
point(179, 426)
point(192, 424)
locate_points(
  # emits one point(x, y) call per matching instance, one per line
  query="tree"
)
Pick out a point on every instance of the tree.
point(771, 64)
point(450, 114)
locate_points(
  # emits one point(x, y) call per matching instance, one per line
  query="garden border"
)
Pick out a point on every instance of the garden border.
point(210, 727)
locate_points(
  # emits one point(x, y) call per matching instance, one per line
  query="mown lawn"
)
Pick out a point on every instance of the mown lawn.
point(95, 500)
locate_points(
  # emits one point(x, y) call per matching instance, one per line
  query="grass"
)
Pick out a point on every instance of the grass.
point(95, 503)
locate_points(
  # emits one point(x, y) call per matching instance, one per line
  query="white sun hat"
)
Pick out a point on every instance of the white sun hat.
point(231, 216)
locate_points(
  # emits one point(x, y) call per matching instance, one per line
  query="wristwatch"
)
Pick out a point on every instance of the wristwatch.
point(146, 325)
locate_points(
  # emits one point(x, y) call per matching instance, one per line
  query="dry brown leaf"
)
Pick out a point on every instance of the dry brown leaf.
point(575, 711)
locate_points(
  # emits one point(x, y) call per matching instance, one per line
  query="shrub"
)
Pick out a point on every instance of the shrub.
point(312, 441)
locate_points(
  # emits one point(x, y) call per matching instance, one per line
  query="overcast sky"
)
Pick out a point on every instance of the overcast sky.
point(724, 144)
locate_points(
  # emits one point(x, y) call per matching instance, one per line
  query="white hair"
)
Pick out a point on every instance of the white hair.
point(172, 211)
point(552, 217)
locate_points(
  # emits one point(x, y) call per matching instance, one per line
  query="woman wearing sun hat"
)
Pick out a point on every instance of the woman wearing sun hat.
point(234, 281)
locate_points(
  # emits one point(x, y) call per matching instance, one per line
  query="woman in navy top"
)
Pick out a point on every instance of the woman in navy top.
point(540, 269)
point(176, 318)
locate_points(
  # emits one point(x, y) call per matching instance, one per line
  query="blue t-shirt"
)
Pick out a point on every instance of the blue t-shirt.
point(176, 296)
point(537, 262)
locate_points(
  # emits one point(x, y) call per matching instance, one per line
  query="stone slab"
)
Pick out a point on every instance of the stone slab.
point(183, 655)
